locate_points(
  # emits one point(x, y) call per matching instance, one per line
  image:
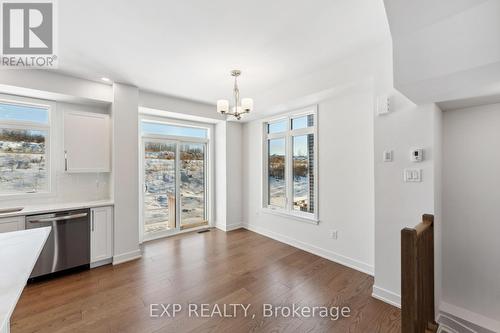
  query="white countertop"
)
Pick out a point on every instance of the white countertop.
point(19, 251)
point(54, 207)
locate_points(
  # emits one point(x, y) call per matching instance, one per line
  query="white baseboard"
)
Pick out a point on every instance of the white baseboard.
point(443, 328)
point(468, 318)
point(128, 256)
point(387, 296)
point(327, 254)
point(229, 227)
point(5, 328)
point(101, 263)
point(448, 324)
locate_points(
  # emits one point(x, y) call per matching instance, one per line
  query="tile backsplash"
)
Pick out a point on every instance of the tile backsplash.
point(75, 187)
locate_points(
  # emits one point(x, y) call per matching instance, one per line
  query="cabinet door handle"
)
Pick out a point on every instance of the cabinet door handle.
point(65, 160)
point(92, 221)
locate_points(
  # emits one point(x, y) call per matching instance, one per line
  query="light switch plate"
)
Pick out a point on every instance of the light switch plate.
point(334, 234)
point(387, 157)
point(383, 105)
point(412, 175)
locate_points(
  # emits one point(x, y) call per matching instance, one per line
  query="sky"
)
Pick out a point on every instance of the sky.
point(23, 113)
point(277, 146)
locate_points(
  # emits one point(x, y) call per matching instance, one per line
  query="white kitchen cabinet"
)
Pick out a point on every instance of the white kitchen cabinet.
point(87, 142)
point(101, 235)
point(8, 224)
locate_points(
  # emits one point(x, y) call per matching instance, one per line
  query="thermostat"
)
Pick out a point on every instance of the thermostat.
point(417, 155)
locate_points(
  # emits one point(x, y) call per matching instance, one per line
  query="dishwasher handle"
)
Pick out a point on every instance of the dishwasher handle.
point(60, 218)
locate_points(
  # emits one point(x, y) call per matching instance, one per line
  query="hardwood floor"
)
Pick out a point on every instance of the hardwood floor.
point(215, 268)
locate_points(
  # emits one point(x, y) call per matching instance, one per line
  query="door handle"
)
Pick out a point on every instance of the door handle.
point(60, 218)
point(92, 222)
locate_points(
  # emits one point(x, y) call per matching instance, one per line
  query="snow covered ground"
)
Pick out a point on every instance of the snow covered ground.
point(160, 185)
point(278, 195)
point(22, 167)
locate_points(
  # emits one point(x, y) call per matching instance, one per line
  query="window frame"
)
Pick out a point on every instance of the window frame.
point(288, 135)
point(29, 125)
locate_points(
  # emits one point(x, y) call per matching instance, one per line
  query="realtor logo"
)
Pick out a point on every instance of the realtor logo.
point(28, 32)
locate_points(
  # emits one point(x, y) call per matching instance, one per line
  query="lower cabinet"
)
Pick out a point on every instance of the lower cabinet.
point(8, 224)
point(101, 235)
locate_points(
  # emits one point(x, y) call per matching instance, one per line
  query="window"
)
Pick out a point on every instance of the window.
point(24, 148)
point(290, 182)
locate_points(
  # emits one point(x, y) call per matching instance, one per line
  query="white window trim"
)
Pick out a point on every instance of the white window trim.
point(50, 152)
point(288, 134)
point(209, 169)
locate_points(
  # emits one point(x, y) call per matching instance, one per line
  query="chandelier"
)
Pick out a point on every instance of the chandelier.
point(245, 105)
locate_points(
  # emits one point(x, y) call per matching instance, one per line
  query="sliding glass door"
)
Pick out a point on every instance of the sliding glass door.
point(192, 186)
point(174, 178)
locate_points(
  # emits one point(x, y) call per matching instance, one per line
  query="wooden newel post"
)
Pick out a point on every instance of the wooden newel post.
point(417, 277)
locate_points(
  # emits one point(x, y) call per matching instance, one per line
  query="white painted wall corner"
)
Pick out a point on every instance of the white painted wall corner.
point(229, 227)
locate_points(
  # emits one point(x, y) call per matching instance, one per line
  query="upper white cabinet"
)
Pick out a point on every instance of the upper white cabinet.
point(87, 142)
point(101, 236)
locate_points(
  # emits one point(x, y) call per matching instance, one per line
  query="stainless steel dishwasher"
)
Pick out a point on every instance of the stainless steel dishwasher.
point(68, 245)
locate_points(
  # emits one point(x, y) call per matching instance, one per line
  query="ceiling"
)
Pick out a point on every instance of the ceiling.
point(406, 16)
point(446, 51)
point(187, 48)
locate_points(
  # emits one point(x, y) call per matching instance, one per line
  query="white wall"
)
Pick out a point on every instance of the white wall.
point(68, 187)
point(399, 204)
point(438, 206)
point(471, 212)
point(234, 175)
point(345, 138)
point(126, 172)
point(220, 175)
point(228, 175)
